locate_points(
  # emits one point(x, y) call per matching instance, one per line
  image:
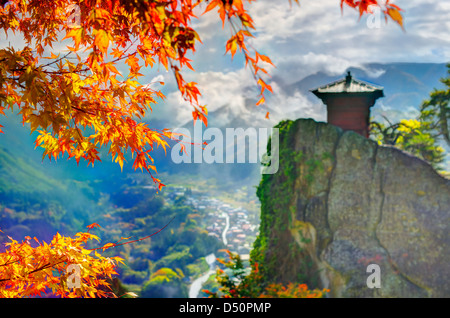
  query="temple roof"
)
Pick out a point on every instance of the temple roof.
point(349, 85)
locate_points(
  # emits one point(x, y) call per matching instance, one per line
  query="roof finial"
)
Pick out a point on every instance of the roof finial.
point(348, 78)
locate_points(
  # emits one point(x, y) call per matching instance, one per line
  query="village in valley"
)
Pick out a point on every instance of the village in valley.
point(231, 223)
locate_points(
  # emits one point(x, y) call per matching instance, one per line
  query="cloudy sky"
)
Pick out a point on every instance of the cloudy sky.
point(302, 40)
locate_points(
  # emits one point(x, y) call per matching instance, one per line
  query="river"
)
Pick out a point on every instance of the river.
point(225, 230)
point(197, 284)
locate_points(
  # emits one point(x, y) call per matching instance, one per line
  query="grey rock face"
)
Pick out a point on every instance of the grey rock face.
point(361, 204)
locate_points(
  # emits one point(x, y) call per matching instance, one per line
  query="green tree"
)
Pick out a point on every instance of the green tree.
point(416, 136)
point(436, 110)
point(421, 136)
point(166, 283)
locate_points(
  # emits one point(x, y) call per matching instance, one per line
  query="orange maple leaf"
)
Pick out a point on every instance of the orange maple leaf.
point(91, 226)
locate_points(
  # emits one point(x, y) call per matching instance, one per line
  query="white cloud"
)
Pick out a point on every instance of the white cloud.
point(296, 67)
point(320, 28)
point(373, 72)
point(155, 80)
point(295, 106)
point(218, 89)
point(235, 94)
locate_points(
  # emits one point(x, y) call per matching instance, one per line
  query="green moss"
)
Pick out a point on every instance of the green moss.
point(275, 208)
point(278, 196)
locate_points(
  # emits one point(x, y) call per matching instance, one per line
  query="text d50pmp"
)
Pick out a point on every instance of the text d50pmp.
point(246, 307)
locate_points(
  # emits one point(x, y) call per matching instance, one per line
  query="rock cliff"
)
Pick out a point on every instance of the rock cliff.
point(340, 202)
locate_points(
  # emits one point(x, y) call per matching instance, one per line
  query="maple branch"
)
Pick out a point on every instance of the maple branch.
point(45, 266)
point(134, 241)
point(8, 262)
point(55, 61)
point(65, 72)
point(87, 68)
point(82, 110)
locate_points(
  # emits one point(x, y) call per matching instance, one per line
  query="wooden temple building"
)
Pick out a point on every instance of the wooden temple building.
point(348, 103)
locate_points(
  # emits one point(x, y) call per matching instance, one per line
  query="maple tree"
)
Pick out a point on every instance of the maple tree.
point(30, 271)
point(79, 102)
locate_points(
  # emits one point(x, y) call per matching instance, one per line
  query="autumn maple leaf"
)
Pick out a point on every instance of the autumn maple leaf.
point(91, 226)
